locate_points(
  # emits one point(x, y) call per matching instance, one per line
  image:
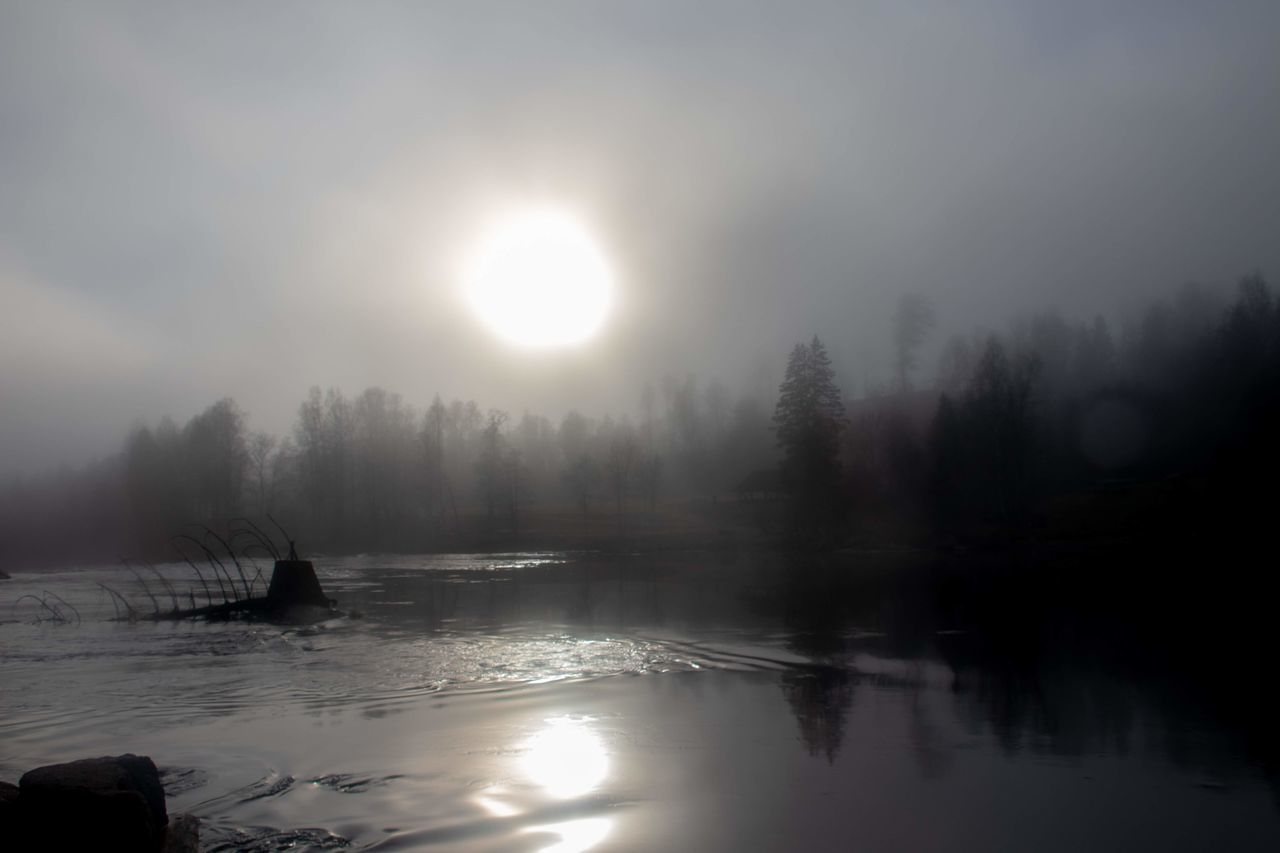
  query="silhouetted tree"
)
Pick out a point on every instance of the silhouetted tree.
point(492, 468)
point(1189, 388)
point(808, 420)
point(435, 480)
point(155, 483)
point(384, 442)
point(324, 435)
point(982, 446)
point(462, 440)
point(261, 445)
point(217, 459)
point(1238, 407)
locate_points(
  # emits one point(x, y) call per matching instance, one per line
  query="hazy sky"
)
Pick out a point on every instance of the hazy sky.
point(245, 199)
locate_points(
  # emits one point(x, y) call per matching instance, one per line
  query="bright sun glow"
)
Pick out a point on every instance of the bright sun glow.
point(539, 279)
point(566, 759)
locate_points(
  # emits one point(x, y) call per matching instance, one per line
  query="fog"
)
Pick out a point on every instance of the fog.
point(235, 201)
point(889, 391)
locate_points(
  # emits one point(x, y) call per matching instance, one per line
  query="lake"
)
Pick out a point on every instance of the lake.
point(572, 702)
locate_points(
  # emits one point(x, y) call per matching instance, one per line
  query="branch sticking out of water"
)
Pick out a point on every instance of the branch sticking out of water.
point(142, 582)
point(287, 538)
point(64, 603)
point(216, 564)
point(164, 582)
point(207, 594)
point(116, 600)
point(253, 530)
point(55, 613)
point(247, 552)
point(244, 581)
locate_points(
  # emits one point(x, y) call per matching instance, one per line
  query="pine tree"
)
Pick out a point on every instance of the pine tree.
point(808, 420)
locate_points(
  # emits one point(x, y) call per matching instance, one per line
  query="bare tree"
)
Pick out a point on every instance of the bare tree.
point(261, 446)
point(216, 459)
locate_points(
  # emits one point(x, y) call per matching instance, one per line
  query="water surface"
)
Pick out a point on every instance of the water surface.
point(575, 701)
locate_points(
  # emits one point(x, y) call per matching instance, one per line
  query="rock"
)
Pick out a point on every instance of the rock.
point(8, 805)
point(183, 835)
point(106, 804)
point(10, 817)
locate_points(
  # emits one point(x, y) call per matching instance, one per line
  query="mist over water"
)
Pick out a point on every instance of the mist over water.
point(522, 701)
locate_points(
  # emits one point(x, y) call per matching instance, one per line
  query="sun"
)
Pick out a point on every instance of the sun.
point(538, 278)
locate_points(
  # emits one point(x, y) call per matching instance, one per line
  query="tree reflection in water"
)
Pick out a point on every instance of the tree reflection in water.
point(820, 698)
point(821, 694)
point(1067, 675)
point(1044, 654)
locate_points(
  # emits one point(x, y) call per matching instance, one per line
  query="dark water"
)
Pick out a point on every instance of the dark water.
point(575, 702)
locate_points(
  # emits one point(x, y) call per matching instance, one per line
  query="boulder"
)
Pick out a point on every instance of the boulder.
point(8, 806)
point(107, 804)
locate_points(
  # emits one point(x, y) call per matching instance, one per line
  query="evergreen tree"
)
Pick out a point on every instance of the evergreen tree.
point(808, 420)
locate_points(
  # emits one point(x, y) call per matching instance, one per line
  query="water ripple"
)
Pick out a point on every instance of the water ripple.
point(216, 838)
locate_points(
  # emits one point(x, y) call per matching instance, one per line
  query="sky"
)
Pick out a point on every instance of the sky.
point(247, 199)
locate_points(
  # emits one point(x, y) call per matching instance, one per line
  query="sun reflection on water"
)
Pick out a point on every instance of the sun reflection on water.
point(575, 835)
point(566, 759)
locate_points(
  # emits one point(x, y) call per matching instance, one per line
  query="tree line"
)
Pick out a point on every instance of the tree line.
point(375, 472)
point(1009, 423)
point(1044, 428)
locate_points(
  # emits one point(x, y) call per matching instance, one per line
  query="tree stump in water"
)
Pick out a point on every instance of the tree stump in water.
point(294, 584)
